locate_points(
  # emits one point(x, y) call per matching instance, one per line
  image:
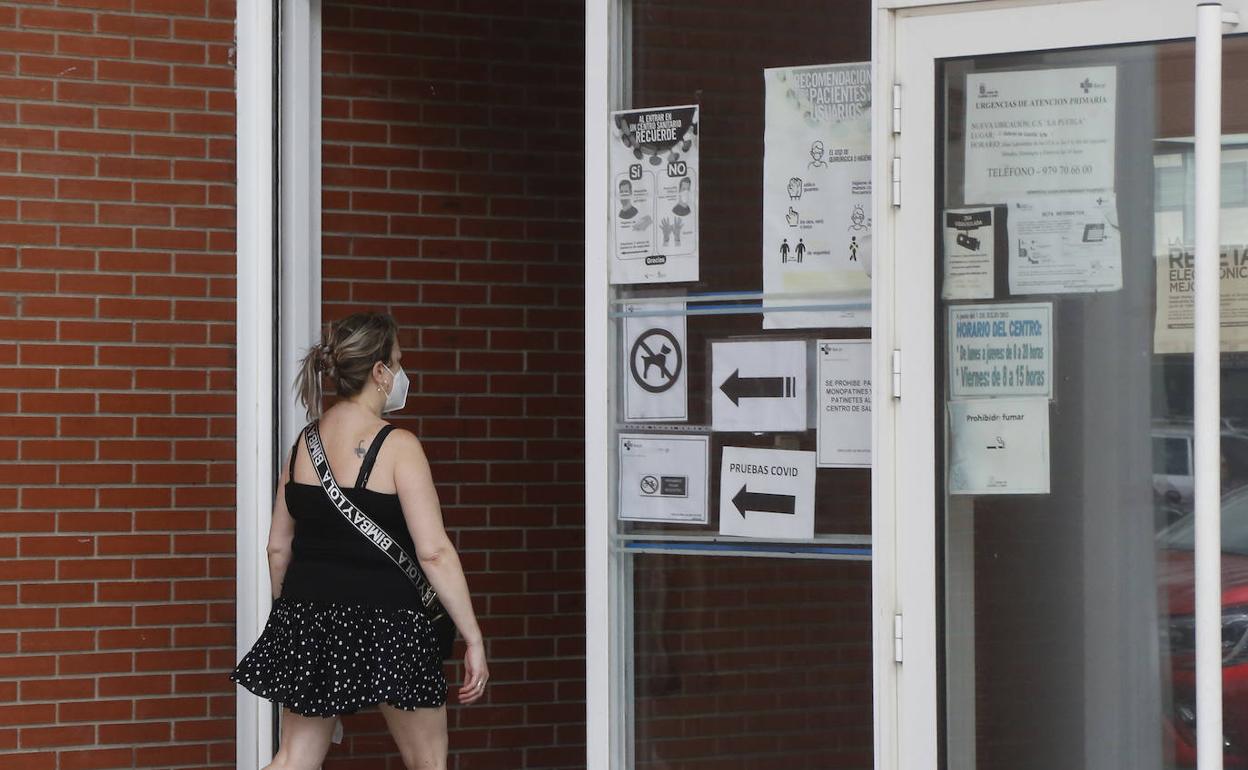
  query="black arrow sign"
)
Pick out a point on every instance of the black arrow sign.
point(738, 387)
point(763, 502)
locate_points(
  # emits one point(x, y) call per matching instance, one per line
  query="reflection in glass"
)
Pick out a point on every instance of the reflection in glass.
point(1068, 615)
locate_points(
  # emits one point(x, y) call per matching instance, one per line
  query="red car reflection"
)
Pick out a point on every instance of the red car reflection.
point(1179, 635)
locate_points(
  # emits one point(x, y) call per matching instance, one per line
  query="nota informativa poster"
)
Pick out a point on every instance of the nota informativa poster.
point(654, 195)
point(817, 196)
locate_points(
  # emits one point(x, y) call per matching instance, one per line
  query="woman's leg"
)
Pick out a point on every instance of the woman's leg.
point(305, 740)
point(420, 735)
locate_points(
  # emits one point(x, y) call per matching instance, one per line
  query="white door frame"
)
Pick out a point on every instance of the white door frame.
point(909, 36)
point(271, 332)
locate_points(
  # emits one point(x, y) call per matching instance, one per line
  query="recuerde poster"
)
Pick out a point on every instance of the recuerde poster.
point(654, 195)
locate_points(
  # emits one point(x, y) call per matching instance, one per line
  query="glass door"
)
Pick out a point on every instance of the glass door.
point(1045, 239)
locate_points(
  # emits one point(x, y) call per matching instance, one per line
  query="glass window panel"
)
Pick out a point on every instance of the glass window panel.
point(751, 663)
point(746, 652)
point(1077, 651)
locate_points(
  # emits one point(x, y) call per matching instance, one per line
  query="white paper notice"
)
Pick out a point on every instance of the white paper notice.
point(767, 493)
point(656, 386)
point(758, 385)
point(999, 447)
point(817, 193)
point(1064, 244)
point(1173, 329)
point(654, 188)
point(844, 403)
point(969, 252)
point(1038, 131)
point(663, 478)
point(1001, 350)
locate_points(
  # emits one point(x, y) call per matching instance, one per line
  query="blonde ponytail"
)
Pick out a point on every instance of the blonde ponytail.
point(355, 343)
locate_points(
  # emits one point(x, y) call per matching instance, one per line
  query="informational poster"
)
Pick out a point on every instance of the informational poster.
point(999, 447)
point(758, 385)
point(767, 493)
point(663, 478)
point(817, 193)
point(1064, 244)
point(1039, 131)
point(654, 187)
point(1174, 326)
point(656, 385)
point(844, 422)
point(1001, 350)
point(970, 247)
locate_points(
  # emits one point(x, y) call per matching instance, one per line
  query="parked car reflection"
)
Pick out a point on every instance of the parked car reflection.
point(1179, 635)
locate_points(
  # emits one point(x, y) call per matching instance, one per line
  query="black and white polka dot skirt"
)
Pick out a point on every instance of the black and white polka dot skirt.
point(322, 659)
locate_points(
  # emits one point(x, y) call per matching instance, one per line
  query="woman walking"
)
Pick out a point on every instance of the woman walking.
point(350, 625)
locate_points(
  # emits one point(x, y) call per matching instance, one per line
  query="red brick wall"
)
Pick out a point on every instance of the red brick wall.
point(453, 197)
point(747, 663)
point(116, 380)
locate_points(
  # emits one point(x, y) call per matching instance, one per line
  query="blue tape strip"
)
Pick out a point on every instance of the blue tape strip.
point(746, 547)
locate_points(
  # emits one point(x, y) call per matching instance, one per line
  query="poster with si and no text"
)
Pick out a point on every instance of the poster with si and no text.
point(654, 188)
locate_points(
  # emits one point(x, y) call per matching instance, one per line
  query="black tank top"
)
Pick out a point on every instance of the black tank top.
point(330, 560)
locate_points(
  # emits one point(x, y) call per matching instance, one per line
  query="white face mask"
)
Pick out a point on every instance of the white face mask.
point(397, 397)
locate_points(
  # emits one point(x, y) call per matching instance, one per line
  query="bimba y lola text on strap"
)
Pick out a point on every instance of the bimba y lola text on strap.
point(369, 528)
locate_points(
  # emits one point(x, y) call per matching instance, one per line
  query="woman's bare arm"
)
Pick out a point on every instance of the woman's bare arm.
point(434, 550)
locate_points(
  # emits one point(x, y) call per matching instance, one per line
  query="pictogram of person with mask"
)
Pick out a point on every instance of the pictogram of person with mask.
point(368, 590)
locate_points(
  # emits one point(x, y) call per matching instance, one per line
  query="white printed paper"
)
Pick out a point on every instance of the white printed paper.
point(817, 193)
point(1064, 244)
point(1001, 350)
point(1173, 330)
point(663, 478)
point(654, 195)
point(758, 385)
point(844, 423)
point(999, 447)
point(767, 493)
point(1039, 131)
point(970, 248)
point(656, 383)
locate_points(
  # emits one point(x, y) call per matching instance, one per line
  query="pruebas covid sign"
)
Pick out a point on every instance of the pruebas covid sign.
point(1001, 350)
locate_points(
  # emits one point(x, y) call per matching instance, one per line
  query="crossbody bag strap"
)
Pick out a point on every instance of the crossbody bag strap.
point(360, 521)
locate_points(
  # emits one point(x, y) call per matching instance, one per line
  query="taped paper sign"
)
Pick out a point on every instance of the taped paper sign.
point(970, 247)
point(767, 493)
point(999, 447)
point(844, 387)
point(817, 193)
point(1001, 350)
point(1063, 244)
point(654, 187)
point(1039, 131)
point(656, 386)
point(663, 478)
point(758, 385)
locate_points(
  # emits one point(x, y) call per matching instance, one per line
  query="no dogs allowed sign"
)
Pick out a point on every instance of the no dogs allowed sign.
point(767, 493)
